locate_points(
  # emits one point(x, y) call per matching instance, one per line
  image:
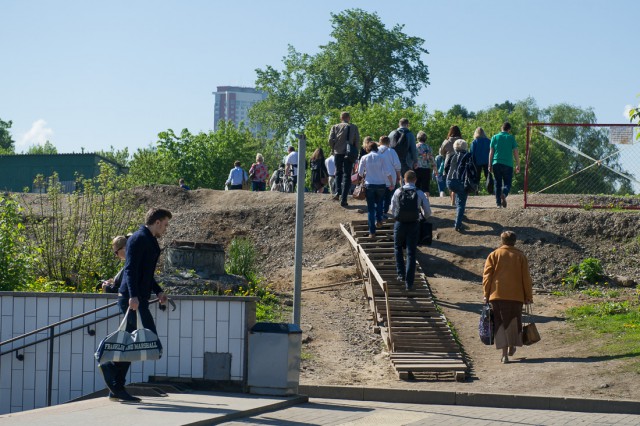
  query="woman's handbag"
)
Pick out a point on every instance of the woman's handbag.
point(490, 184)
point(122, 346)
point(360, 192)
point(485, 327)
point(530, 333)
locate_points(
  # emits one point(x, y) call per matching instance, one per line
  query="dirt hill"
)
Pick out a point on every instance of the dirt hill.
point(340, 346)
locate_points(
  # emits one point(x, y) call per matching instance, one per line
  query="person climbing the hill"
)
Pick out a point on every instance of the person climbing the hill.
point(506, 284)
point(319, 173)
point(258, 174)
point(503, 150)
point(406, 204)
point(237, 177)
point(480, 153)
point(341, 135)
point(392, 156)
point(403, 141)
point(425, 164)
point(446, 149)
point(453, 167)
point(378, 174)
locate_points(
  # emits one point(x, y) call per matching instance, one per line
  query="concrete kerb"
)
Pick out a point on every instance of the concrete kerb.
point(280, 405)
point(414, 396)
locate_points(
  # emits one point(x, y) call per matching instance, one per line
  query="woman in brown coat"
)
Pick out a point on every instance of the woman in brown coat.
point(506, 284)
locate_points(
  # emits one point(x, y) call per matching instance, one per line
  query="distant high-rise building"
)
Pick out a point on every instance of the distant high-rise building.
point(233, 103)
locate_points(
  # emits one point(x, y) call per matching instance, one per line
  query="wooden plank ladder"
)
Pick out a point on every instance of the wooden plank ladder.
point(415, 332)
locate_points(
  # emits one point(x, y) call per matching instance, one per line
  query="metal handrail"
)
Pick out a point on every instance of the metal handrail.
point(50, 329)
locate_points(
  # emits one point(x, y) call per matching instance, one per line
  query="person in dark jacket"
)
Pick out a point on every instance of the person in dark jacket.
point(142, 253)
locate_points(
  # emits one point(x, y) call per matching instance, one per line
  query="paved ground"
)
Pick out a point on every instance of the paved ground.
point(345, 412)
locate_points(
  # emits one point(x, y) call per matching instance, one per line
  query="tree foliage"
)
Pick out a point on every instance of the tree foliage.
point(47, 148)
point(6, 142)
point(364, 63)
point(118, 156)
point(202, 159)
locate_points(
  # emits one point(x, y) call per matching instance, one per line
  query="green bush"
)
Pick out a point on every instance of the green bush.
point(241, 260)
point(589, 271)
point(16, 257)
point(73, 231)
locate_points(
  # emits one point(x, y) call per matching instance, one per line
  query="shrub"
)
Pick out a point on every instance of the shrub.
point(73, 231)
point(589, 271)
point(16, 257)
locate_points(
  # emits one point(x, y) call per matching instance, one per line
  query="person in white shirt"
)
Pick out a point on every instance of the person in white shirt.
point(291, 165)
point(237, 177)
point(330, 163)
point(406, 204)
point(378, 175)
point(391, 155)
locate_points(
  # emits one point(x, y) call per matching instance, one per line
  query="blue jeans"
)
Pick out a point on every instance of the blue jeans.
point(503, 176)
point(375, 196)
point(456, 186)
point(406, 233)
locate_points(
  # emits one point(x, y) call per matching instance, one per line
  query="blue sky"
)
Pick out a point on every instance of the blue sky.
point(88, 74)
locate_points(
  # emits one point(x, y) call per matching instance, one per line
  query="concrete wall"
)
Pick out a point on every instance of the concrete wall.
point(199, 324)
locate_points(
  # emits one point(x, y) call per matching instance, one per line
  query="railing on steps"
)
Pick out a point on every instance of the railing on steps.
point(50, 329)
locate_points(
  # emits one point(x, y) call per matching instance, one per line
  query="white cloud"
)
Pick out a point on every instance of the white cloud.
point(38, 134)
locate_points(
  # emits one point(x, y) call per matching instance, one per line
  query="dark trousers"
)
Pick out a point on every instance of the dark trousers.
point(343, 176)
point(115, 373)
point(480, 168)
point(258, 186)
point(503, 175)
point(424, 179)
point(406, 233)
point(386, 203)
point(235, 187)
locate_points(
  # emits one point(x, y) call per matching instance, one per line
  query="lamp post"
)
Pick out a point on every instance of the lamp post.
point(297, 275)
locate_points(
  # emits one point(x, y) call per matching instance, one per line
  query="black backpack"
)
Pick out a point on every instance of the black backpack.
point(399, 143)
point(407, 206)
point(467, 172)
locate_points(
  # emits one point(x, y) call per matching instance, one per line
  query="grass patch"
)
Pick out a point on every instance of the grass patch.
point(617, 326)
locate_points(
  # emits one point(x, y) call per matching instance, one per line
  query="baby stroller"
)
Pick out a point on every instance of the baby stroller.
point(277, 180)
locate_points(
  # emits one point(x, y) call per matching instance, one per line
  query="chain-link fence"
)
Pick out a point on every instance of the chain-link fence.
point(582, 165)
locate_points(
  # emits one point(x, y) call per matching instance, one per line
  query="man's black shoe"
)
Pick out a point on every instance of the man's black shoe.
point(124, 396)
point(344, 205)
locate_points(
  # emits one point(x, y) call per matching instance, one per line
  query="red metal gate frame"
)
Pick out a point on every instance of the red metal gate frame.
point(528, 151)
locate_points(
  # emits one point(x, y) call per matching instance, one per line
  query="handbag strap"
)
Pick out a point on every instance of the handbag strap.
point(139, 325)
point(527, 313)
point(123, 324)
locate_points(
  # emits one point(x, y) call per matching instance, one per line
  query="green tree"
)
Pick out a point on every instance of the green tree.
point(202, 159)
point(6, 142)
point(364, 63)
point(47, 148)
point(118, 156)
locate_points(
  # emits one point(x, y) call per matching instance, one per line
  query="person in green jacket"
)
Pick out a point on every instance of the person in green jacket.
point(503, 149)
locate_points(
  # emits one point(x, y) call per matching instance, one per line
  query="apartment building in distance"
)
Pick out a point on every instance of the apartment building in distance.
point(233, 103)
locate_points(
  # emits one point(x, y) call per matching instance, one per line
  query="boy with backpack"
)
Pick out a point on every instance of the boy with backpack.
point(406, 204)
point(403, 142)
